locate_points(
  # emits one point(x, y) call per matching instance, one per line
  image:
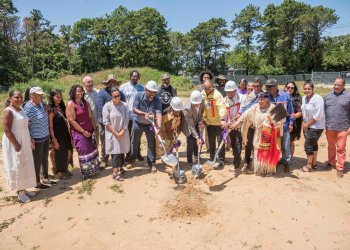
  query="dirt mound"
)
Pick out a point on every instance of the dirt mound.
point(190, 202)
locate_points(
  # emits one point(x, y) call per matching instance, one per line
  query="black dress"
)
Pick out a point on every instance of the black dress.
point(62, 135)
point(295, 134)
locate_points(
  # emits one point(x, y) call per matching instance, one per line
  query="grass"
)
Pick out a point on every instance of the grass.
point(116, 188)
point(47, 201)
point(87, 187)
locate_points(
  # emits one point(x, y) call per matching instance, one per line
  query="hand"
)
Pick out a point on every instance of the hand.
point(149, 115)
point(232, 126)
point(223, 124)
point(237, 116)
point(33, 144)
point(305, 126)
point(121, 133)
point(293, 115)
point(348, 132)
point(290, 128)
point(86, 134)
point(199, 141)
point(18, 148)
point(56, 145)
point(116, 134)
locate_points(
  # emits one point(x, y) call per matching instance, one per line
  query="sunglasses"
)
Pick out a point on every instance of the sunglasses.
point(116, 96)
point(290, 87)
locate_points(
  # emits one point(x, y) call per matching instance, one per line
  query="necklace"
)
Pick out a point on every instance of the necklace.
point(81, 105)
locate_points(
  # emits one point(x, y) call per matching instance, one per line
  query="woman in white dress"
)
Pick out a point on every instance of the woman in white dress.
point(16, 148)
point(116, 119)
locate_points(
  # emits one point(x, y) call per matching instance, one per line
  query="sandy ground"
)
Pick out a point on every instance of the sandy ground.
point(217, 211)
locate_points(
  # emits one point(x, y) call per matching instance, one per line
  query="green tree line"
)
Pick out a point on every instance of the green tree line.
point(285, 38)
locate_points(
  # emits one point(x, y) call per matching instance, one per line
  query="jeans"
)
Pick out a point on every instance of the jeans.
point(249, 146)
point(236, 144)
point(214, 134)
point(136, 133)
point(336, 148)
point(286, 153)
point(192, 148)
point(101, 129)
point(117, 160)
point(128, 154)
point(41, 159)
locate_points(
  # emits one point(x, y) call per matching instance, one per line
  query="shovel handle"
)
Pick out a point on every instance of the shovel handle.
point(158, 135)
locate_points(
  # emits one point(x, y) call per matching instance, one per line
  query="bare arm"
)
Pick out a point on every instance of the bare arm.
point(7, 120)
point(70, 113)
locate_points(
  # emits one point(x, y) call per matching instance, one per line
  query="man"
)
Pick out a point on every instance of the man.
point(232, 102)
point(282, 97)
point(166, 92)
point(103, 97)
point(130, 90)
point(146, 106)
point(337, 111)
point(245, 105)
point(220, 84)
point(39, 133)
point(193, 115)
point(172, 120)
point(214, 117)
point(90, 96)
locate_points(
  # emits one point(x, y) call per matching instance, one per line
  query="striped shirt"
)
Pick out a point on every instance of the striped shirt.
point(38, 121)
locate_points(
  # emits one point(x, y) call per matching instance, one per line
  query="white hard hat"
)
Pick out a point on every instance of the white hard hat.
point(151, 86)
point(230, 86)
point(176, 104)
point(196, 97)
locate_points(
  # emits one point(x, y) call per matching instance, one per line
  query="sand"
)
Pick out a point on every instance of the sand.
point(217, 211)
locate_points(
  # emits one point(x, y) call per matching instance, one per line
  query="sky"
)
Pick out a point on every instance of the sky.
point(181, 15)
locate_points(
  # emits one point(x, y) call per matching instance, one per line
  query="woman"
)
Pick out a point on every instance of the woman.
point(292, 89)
point(16, 148)
point(82, 126)
point(116, 120)
point(313, 123)
point(59, 132)
point(267, 134)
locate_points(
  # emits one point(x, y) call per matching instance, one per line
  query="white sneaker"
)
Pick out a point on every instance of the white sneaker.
point(23, 197)
point(30, 193)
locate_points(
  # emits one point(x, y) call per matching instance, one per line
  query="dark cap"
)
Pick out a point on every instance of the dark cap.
point(263, 95)
point(271, 82)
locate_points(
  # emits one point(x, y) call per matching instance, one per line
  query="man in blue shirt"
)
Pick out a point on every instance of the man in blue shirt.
point(282, 97)
point(103, 97)
point(147, 105)
point(130, 90)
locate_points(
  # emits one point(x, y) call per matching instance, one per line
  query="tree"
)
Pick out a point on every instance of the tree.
point(336, 56)
point(206, 43)
point(245, 24)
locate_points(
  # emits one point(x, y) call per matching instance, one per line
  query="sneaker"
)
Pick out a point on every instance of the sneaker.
point(68, 174)
point(43, 186)
point(23, 197)
point(329, 166)
point(340, 173)
point(30, 193)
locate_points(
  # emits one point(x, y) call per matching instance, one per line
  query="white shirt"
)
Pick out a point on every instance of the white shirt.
point(233, 105)
point(314, 109)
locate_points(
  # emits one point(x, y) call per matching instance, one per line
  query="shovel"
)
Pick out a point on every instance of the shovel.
point(213, 163)
point(197, 169)
point(179, 175)
point(170, 159)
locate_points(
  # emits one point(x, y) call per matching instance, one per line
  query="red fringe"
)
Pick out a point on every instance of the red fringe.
point(271, 155)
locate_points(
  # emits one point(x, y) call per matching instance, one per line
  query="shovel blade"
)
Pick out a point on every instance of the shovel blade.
point(197, 170)
point(212, 164)
point(179, 176)
point(170, 160)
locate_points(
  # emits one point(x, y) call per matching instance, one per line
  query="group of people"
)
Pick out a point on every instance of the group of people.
point(266, 123)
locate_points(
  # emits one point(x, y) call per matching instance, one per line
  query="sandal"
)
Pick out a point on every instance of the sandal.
point(117, 177)
point(306, 168)
point(314, 166)
point(122, 171)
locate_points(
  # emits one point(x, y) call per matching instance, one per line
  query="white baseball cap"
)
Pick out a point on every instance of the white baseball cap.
point(36, 90)
point(152, 86)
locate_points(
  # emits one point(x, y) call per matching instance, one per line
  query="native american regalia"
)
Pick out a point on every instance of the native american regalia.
point(171, 128)
point(267, 136)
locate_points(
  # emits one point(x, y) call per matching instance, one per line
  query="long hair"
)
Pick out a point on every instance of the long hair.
point(296, 90)
point(52, 102)
point(73, 90)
